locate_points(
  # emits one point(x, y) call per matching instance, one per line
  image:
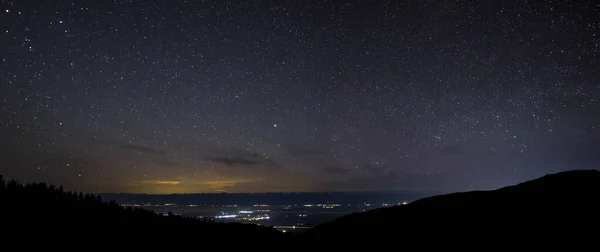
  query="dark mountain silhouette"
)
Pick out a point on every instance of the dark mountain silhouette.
point(560, 208)
point(41, 215)
point(557, 208)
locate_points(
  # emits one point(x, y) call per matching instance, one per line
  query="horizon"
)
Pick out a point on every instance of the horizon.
point(423, 192)
point(225, 96)
point(567, 201)
point(295, 192)
point(191, 193)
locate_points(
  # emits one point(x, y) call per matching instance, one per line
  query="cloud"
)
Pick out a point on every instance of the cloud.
point(160, 158)
point(184, 185)
point(236, 157)
point(145, 149)
point(297, 150)
point(223, 185)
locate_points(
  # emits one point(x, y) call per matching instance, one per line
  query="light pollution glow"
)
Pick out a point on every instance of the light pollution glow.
point(162, 182)
point(187, 186)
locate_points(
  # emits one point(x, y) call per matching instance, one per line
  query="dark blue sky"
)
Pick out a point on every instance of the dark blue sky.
point(207, 96)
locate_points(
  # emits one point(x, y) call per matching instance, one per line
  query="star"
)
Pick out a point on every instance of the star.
point(369, 97)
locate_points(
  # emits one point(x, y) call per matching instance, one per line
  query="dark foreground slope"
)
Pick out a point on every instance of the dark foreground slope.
point(41, 215)
point(558, 208)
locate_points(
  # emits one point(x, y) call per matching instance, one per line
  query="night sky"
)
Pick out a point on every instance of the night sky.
point(269, 96)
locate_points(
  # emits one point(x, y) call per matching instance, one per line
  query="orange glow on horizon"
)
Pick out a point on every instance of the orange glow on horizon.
point(187, 185)
point(162, 182)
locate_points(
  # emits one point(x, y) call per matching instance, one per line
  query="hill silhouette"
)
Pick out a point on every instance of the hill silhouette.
point(556, 208)
point(49, 215)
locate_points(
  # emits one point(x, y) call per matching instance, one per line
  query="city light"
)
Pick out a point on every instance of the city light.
point(255, 218)
point(264, 214)
point(226, 216)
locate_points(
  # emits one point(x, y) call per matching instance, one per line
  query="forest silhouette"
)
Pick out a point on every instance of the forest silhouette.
point(48, 213)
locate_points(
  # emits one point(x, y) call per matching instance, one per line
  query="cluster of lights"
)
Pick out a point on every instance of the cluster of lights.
point(323, 205)
point(243, 217)
point(173, 204)
point(148, 205)
point(256, 218)
point(229, 216)
point(131, 205)
point(285, 228)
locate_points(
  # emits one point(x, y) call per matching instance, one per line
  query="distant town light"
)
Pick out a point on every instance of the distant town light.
point(226, 216)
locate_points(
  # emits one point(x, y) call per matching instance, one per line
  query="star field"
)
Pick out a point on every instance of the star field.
point(266, 96)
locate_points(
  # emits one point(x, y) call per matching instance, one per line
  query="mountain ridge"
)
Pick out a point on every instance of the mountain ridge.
point(559, 208)
point(546, 206)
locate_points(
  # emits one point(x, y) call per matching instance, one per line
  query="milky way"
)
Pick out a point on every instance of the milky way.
point(265, 96)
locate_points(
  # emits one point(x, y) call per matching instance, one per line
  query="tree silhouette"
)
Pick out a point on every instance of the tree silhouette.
point(46, 211)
